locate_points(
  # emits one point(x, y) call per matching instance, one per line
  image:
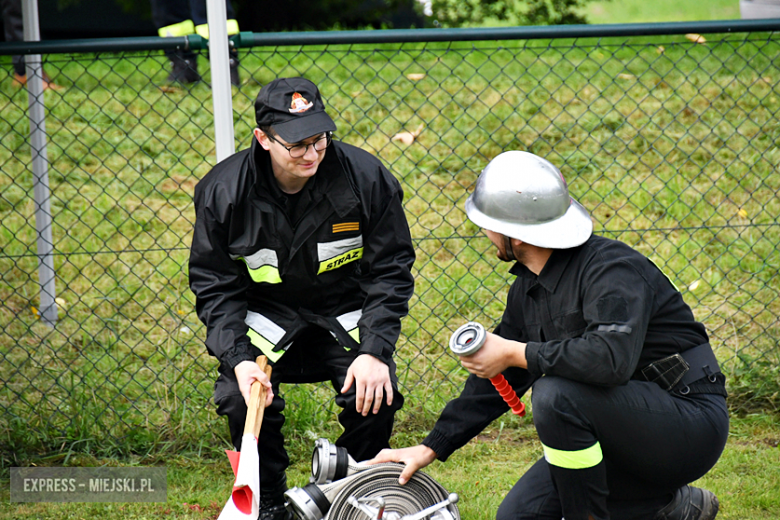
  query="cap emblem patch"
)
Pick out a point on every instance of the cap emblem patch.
point(299, 104)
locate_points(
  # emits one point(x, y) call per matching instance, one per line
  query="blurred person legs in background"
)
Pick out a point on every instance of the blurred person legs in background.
point(14, 32)
point(184, 17)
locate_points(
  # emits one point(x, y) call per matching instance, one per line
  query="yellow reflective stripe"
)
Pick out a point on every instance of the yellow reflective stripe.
point(340, 260)
point(663, 273)
point(178, 29)
point(349, 322)
point(579, 459)
point(265, 346)
point(203, 29)
point(265, 273)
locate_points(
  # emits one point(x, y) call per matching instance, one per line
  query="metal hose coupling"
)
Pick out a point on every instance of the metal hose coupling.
point(330, 463)
point(466, 341)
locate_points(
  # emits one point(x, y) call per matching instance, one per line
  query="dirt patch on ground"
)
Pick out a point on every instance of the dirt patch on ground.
point(508, 436)
point(766, 441)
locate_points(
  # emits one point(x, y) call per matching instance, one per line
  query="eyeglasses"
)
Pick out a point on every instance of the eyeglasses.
point(299, 150)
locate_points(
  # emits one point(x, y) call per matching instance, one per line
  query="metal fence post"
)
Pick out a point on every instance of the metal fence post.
point(40, 167)
point(220, 79)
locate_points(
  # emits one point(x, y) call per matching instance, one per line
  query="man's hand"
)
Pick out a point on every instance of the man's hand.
point(495, 356)
point(372, 378)
point(247, 372)
point(416, 457)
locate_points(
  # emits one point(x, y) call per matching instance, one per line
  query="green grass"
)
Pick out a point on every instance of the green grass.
point(672, 146)
point(637, 11)
point(745, 479)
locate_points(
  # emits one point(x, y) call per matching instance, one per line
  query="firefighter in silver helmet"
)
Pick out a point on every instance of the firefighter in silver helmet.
point(631, 408)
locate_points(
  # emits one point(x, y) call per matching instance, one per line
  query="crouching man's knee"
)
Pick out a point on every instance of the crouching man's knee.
point(553, 400)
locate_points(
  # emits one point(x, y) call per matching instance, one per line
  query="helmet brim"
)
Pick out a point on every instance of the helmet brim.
point(570, 230)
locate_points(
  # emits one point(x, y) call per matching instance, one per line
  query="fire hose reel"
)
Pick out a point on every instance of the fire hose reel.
point(342, 489)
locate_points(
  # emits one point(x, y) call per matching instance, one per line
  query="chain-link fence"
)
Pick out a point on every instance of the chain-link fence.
point(671, 142)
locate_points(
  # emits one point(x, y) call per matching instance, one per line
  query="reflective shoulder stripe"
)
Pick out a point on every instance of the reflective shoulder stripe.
point(232, 27)
point(614, 327)
point(663, 273)
point(263, 266)
point(350, 323)
point(203, 29)
point(333, 255)
point(580, 459)
point(178, 29)
point(264, 334)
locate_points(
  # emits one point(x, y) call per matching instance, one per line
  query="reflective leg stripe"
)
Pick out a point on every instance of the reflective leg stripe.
point(580, 459)
point(178, 29)
point(203, 29)
point(264, 334)
point(263, 266)
point(333, 255)
point(350, 323)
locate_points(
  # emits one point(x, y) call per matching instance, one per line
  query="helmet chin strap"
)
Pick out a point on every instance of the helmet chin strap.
point(510, 255)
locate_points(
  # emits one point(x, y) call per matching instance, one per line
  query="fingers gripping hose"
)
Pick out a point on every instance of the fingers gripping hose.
point(381, 482)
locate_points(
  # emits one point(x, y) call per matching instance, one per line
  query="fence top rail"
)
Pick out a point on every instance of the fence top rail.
point(505, 33)
point(79, 46)
point(249, 39)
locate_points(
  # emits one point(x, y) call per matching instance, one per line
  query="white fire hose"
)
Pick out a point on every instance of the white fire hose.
point(341, 489)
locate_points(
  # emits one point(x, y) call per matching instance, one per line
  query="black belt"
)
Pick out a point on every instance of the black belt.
point(677, 371)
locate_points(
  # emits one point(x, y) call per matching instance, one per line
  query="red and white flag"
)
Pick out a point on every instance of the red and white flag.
point(244, 502)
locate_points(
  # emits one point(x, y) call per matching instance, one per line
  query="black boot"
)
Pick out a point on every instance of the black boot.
point(690, 503)
point(184, 68)
point(272, 502)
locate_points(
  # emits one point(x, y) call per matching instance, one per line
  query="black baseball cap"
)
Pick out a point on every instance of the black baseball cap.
point(294, 108)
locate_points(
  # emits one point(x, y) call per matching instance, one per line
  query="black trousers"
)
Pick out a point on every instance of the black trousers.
point(315, 356)
point(14, 29)
point(652, 441)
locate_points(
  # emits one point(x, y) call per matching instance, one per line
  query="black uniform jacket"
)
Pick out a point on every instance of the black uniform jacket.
point(597, 313)
point(348, 252)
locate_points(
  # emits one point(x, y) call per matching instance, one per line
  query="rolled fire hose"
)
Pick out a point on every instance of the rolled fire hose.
point(381, 482)
point(341, 489)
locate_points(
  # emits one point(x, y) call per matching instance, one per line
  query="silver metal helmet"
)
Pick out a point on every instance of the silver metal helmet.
point(523, 196)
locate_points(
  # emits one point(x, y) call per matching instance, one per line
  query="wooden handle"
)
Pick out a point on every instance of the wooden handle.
point(254, 415)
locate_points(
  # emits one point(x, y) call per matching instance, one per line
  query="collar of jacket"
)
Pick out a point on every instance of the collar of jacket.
point(553, 270)
point(331, 180)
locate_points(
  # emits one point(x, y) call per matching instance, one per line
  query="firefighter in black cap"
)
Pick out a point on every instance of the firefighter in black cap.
point(301, 251)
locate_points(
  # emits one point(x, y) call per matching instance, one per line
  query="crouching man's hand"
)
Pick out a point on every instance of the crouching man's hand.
point(247, 372)
point(372, 381)
point(416, 457)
